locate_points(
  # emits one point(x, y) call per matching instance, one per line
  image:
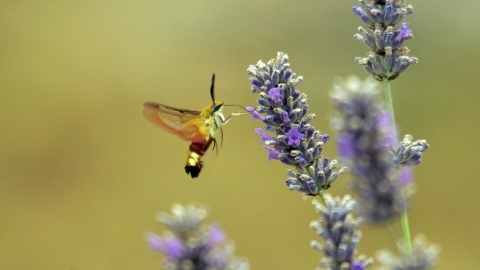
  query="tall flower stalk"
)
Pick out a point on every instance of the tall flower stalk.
point(386, 60)
point(387, 57)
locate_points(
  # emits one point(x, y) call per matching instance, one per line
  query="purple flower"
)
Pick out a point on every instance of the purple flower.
point(275, 94)
point(254, 114)
point(174, 248)
point(325, 138)
point(257, 116)
point(286, 118)
point(357, 266)
point(156, 242)
point(272, 154)
point(216, 235)
point(359, 12)
point(404, 32)
point(294, 136)
point(263, 135)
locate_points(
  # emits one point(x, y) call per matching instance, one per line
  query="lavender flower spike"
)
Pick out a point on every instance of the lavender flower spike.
point(339, 231)
point(294, 141)
point(364, 143)
point(387, 58)
point(422, 257)
point(190, 245)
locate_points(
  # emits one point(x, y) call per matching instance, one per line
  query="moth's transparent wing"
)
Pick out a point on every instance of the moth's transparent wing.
point(185, 123)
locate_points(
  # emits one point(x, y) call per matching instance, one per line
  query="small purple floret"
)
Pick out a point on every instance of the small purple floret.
point(174, 248)
point(357, 11)
point(275, 94)
point(272, 154)
point(404, 32)
point(156, 242)
point(263, 135)
point(294, 136)
point(357, 266)
point(286, 118)
point(256, 115)
point(325, 138)
point(256, 82)
point(216, 235)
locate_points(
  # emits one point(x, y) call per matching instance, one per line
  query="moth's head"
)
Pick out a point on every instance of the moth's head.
point(211, 109)
point(217, 106)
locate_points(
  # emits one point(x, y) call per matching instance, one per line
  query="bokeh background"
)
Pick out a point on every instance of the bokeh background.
point(82, 173)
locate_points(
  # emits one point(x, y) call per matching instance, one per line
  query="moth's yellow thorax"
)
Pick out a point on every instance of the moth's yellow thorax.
point(211, 109)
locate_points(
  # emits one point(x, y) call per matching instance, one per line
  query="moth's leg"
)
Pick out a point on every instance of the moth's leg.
point(215, 145)
point(226, 120)
point(221, 133)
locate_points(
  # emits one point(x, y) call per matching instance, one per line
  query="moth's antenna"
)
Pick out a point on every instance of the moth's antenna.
point(212, 90)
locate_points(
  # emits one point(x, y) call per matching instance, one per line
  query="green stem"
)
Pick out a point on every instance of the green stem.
point(406, 231)
point(404, 217)
point(388, 96)
point(320, 194)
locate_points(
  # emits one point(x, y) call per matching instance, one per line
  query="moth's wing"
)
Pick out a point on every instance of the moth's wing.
point(185, 123)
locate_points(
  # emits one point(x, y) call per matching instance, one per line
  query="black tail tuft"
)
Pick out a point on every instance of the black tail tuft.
point(194, 171)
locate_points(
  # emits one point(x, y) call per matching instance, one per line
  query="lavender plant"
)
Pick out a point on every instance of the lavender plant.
point(381, 167)
point(189, 245)
point(367, 141)
point(368, 137)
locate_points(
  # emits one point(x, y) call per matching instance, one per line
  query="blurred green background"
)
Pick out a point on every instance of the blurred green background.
point(82, 173)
